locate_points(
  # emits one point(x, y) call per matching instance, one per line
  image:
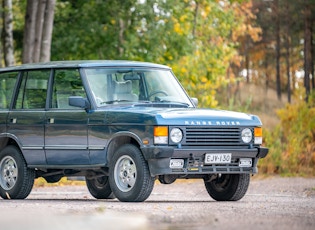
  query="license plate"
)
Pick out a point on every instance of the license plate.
point(218, 158)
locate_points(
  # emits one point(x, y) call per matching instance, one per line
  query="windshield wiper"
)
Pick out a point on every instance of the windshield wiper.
point(171, 102)
point(113, 101)
point(176, 103)
point(163, 104)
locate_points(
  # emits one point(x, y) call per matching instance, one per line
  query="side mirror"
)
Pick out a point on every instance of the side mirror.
point(194, 101)
point(78, 101)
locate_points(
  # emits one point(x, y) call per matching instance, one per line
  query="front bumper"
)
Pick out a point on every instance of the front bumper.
point(159, 158)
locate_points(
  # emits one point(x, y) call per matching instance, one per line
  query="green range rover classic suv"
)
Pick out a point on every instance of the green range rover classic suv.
point(121, 125)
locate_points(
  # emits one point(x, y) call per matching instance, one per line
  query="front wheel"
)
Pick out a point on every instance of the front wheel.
point(129, 175)
point(16, 180)
point(228, 187)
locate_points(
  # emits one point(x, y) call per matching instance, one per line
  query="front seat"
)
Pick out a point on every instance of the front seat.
point(123, 91)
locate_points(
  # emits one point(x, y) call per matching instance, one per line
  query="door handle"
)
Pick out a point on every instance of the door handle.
point(51, 120)
point(13, 120)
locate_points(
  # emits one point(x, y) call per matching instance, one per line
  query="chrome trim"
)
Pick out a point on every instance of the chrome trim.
point(33, 147)
point(66, 147)
point(71, 147)
point(97, 147)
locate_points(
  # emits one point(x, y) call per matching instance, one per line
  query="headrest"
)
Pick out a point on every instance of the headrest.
point(123, 87)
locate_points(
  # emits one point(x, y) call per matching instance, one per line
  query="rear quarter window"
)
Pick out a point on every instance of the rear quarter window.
point(7, 84)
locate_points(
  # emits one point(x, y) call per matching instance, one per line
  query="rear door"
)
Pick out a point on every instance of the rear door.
point(66, 141)
point(26, 119)
point(7, 85)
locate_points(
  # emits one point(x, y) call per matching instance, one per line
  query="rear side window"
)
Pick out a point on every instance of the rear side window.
point(7, 84)
point(33, 90)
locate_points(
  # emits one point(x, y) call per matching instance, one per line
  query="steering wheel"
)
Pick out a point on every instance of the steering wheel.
point(157, 92)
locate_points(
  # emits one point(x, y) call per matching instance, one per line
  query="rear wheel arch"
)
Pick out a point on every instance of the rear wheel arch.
point(6, 141)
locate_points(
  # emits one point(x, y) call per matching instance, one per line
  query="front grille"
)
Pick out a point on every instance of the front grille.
point(212, 136)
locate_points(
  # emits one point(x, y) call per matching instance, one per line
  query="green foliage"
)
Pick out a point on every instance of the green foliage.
point(194, 37)
point(118, 29)
point(203, 71)
point(292, 142)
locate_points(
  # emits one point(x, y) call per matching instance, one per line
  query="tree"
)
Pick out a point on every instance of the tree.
point(307, 48)
point(277, 16)
point(287, 50)
point(47, 31)
point(29, 31)
point(1, 52)
point(38, 28)
point(8, 33)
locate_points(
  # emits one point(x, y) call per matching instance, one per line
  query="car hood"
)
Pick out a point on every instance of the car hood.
point(180, 116)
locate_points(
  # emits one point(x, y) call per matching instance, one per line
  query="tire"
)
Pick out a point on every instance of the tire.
point(129, 175)
point(53, 179)
point(99, 188)
point(16, 180)
point(228, 187)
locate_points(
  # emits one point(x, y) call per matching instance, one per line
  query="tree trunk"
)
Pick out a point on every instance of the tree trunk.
point(247, 60)
point(47, 31)
point(39, 30)
point(267, 73)
point(8, 33)
point(195, 19)
point(313, 57)
point(278, 80)
point(287, 54)
point(29, 31)
point(1, 16)
point(121, 37)
point(307, 48)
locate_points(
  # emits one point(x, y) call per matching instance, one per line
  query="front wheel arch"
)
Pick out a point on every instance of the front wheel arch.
point(120, 139)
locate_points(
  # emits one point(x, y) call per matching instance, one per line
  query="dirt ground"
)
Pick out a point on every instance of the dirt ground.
point(271, 203)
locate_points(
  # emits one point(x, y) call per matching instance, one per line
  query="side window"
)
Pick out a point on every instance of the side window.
point(7, 84)
point(33, 90)
point(67, 82)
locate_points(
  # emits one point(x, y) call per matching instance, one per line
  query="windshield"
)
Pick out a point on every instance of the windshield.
point(112, 86)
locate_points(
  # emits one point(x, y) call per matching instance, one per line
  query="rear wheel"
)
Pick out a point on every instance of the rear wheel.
point(228, 187)
point(99, 188)
point(129, 175)
point(16, 180)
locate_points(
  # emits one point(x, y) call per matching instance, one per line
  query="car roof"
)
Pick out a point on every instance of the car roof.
point(83, 63)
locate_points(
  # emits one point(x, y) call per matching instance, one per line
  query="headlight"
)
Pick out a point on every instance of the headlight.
point(176, 135)
point(247, 135)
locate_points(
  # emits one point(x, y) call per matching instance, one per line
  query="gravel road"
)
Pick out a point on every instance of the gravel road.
point(272, 203)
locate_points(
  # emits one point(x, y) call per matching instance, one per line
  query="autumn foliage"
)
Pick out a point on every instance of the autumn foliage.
point(292, 142)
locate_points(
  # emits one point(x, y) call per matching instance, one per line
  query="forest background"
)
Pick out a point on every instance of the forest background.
point(254, 56)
